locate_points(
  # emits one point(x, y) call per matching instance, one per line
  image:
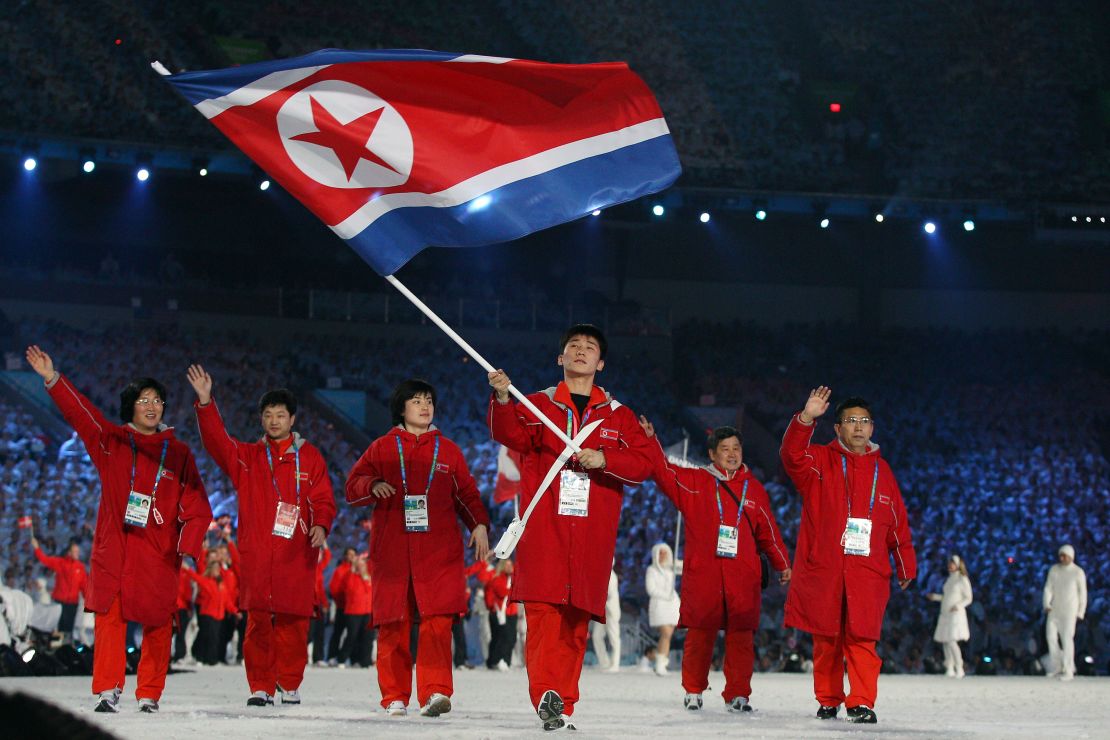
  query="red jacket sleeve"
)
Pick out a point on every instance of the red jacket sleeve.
point(765, 528)
point(507, 425)
point(899, 540)
point(675, 482)
point(79, 413)
point(193, 511)
point(468, 501)
point(321, 498)
point(337, 584)
point(363, 476)
point(224, 449)
point(631, 461)
point(47, 560)
point(798, 455)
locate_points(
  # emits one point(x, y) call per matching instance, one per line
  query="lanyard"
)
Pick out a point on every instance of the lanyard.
point(739, 510)
point(135, 464)
point(296, 462)
point(848, 490)
point(404, 476)
point(572, 427)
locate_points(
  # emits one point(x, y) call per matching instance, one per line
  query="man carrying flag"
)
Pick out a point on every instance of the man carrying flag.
point(286, 508)
point(563, 560)
point(70, 578)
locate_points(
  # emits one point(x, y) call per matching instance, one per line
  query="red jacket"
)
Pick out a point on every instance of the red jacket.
point(567, 559)
point(278, 574)
point(497, 594)
point(320, 599)
point(359, 593)
point(210, 595)
point(335, 585)
point(721, 592)
point(184, 591)
point(822, 572)
point(137, 564)
point(432, 561)
point(70, 577)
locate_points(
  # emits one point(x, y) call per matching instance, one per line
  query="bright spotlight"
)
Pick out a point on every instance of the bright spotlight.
point(824, 223)
point(596, 213)
point(704, 217)
point(30, 164)
point(143, 174)
point(1074, 219)
point(969, 225)
point(28, 655)
point(657, 210)
point(879, 218)
point(89, 165)
point(760, 215)
point(264, 185)
point(1088, 219)
point(203, 172)
point(930, 227)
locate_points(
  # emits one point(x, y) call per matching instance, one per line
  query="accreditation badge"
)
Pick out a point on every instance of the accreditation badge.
point(857, 537)
point(416, 513)
point(138, 509)
point(285, 521)
point(574, 493)
point(728, 538)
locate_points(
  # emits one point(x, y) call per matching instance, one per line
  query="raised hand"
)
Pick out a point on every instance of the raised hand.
point(647, 426)
point(816, 405)
point(201, 382)
point(40, 362)
point(500, 383)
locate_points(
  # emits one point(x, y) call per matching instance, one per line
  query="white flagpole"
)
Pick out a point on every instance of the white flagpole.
point(480, 360)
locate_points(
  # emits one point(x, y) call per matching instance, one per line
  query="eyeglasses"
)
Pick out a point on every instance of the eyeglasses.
point(863, 421)
point(149, 401)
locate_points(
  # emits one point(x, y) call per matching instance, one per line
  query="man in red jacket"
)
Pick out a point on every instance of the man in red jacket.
point(853, 521)
point(153, 510)
point(563, 559)
point(70, 578)
point(728, 521)
point(286, 508)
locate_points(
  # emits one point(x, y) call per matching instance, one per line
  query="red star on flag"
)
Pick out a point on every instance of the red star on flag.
point(349, 142)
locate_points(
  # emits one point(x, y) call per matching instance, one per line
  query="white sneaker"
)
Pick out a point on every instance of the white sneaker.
point(396, 709)
point(108, 701)
point(692, 702)
point(661, 666)
point(437, 704)
point(739, 705)
point(290, 697)
point(502, 666)
point(260, 699)
point(562, 722)
point(150, 706)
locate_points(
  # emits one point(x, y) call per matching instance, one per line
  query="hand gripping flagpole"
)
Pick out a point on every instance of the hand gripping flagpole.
point(561, 434)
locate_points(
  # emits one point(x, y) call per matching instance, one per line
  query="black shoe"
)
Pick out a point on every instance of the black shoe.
point(549, 708)
point(829, 712)
point(260, 699)
point(862, 715)
point(150, 706)
point(559, 723)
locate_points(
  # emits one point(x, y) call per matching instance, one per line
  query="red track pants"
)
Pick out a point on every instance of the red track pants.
point(829, 654)
point(739, 658)
point(274, 651)
point(110, 654)
point(554, 650)
point(433, 659)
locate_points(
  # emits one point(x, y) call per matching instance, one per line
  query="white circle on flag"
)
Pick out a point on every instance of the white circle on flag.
point(390, 141)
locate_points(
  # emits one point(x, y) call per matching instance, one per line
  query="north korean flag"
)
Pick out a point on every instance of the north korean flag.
point(402, 149)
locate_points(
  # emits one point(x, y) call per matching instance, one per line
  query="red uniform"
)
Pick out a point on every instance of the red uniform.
point(184, 591)
point(359, 593)
point(70, 577)
point(497, 594)
point(134, 570)
point(321, 596)
point(210, 595)
point(335, 585)
point(720, 592)
point(841, 598)
point(278, 574)
point(563, 562)
point(421, 571)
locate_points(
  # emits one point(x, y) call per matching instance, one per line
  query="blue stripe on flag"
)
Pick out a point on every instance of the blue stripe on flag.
point(207, 84)
point(525, 206)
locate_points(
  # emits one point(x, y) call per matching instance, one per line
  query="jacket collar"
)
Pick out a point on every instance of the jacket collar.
point(836, 444)
point(298, 441)
point(405, 434)
point(560, 394)
point(164, 432)
point(720, 474)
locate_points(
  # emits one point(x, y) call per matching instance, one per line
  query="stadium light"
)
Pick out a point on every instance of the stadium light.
point(264, 185)
point(760, 215)
point(704, 217)
point(824, 223)
point(88, 166)
point(879, 218)
point(203, 172)
point(930, 227)
point(142, 174)
point(596, 213)
point(30, 163)
point(657, 210)
point(969, 225)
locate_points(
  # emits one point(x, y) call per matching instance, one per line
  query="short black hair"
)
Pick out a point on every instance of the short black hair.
point(405, 390)
point(720, 434)
point(852, 402)
point(278, 397)
point(585, 330)
point(129, 395)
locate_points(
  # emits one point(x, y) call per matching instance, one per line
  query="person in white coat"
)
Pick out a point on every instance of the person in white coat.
point(952, 627)
point(1065, 600)
point(664, 603)
point(609, 661)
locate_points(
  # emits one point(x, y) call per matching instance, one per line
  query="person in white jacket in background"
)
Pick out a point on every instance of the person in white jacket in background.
point(952, 627)
point(1065, 600)
point(609, 661)
point(664, 603)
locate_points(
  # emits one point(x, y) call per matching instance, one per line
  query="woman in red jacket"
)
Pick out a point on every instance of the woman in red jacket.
point(70, 578)
point(418, 483)
point(153, 510)
point(503, 617)
point(359, 599)
point(212, 607)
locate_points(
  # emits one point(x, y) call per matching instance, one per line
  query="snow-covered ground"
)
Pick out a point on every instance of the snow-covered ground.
point(210, 702)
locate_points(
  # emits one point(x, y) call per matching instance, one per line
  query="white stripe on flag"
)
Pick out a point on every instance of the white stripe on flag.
point(506, 174)
point(255, 91)
point(480, 58)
